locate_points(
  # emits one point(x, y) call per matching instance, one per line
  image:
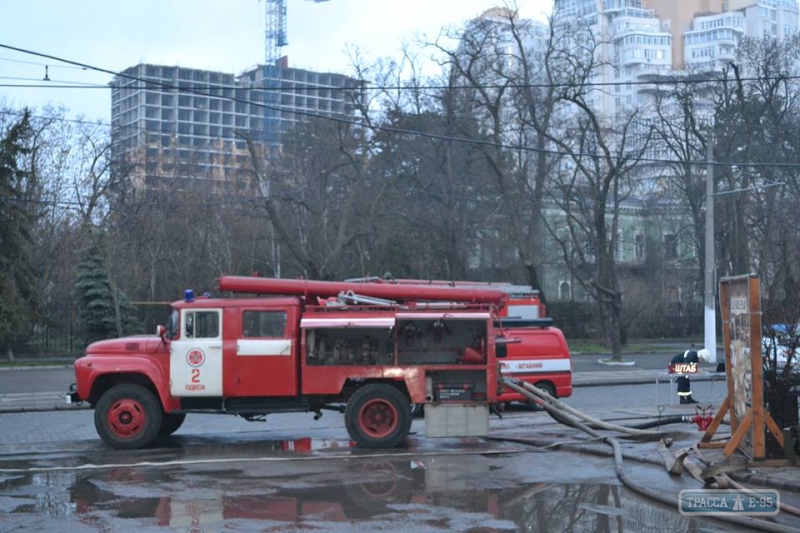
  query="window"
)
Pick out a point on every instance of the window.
point(670, 246)
point(201, 325)
point(263, 323)
point(564, 292)
point(638, 246)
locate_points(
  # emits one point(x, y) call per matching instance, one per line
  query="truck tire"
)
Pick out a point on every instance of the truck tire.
point(378, 416)
point(127, 416)
point(170, 423)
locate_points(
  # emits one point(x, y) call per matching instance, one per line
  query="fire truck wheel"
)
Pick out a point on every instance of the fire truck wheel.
point(127, 416)
point(170, 423)
point(534, 406)
point(377, 416)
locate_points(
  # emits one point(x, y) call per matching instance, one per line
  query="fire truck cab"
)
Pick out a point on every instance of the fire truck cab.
point(308, 346)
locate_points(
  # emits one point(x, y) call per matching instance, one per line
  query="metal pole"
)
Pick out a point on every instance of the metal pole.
point(709, 315)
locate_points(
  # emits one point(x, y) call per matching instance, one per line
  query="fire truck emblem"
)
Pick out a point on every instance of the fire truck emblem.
point(195, 357)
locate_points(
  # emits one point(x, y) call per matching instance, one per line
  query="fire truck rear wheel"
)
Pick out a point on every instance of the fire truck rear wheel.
point(534, 406)
point(170, 423)
point(377, 416)
point(127, 416)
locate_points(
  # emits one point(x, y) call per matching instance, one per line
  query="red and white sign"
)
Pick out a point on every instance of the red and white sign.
point(683, 368)
point(529, 366)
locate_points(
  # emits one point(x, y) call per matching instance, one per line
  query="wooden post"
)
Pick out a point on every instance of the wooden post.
point(726, 344)
point(757, 406)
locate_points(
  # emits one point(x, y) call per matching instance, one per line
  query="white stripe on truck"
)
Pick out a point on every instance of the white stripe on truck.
point(529, 366)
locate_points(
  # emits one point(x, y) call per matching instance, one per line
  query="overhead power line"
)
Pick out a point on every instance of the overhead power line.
point(703, 78)
point(383, 128)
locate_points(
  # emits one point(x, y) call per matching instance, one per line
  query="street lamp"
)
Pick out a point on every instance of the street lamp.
point(709, 311)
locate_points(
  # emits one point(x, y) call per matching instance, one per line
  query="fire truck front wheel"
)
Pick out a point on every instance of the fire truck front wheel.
point(170, 423)
point(377, 416)
point(127, 416)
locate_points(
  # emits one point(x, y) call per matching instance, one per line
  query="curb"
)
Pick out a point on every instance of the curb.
point(57, 366)
point(28, 402)
point(621, 379)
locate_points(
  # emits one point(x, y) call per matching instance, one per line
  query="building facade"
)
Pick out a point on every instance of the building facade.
point(173, 124)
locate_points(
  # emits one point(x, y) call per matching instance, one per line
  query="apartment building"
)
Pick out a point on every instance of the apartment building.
point(705, 33)
point(173, 124)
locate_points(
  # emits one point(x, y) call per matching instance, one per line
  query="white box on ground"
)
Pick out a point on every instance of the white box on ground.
point(456, 420)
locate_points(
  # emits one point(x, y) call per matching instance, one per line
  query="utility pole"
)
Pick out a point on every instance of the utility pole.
point(710, 315)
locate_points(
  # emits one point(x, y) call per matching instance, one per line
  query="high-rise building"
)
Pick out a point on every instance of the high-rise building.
point(712, 41)
point(680, 15)
point(174, 123)
point(705, 32)
point(630, 42)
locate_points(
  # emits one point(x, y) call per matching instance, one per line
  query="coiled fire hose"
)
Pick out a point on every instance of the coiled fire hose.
point(574, 418)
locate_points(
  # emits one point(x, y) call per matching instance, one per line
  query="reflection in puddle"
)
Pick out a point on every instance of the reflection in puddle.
point(426, 493)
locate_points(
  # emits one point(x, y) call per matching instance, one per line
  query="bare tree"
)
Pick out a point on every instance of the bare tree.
point(603, 156)
point(318, 194)
point(503, 76)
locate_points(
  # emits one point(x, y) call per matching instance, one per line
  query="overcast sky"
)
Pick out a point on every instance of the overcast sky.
point(224, 35)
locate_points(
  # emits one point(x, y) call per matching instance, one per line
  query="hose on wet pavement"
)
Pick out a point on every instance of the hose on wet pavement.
point(665, 421)
point(578, 420)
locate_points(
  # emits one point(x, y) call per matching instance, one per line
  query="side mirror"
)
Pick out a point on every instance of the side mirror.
point(161, 331)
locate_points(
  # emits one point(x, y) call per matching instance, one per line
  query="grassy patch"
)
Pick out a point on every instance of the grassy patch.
point(594, 346)
point(29, 362)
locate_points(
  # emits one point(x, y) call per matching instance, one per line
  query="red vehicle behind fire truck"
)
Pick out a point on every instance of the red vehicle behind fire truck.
point(362, 349)
point(535, 352)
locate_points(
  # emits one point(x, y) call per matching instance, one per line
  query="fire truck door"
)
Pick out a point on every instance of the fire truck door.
point(195, 360)
point(265, 362)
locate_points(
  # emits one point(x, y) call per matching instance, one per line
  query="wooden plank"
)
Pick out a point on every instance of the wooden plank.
point(718, 418)
point(737, 437)
point(712, 445)
point(756, 366)
point(775, 430)
point(725, 311)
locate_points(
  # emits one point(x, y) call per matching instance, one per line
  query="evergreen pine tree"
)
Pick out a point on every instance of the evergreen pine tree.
point(95, 305)
point(19, 302)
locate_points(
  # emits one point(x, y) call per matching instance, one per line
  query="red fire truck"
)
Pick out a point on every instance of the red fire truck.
point(536, 352)
point(367, 350)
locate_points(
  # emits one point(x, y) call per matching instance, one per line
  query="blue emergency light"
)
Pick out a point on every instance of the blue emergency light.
point(188, 295)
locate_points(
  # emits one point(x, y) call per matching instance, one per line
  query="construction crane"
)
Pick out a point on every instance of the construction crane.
point(275, 40)
point(275, 30)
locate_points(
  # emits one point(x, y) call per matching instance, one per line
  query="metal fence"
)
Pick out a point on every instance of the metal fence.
point(583, 321)
point(60, 332)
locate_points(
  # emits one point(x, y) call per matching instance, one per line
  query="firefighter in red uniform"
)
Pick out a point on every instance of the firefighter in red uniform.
point(686, 363)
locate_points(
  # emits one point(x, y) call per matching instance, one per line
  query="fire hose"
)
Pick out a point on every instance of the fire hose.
point(558, 410)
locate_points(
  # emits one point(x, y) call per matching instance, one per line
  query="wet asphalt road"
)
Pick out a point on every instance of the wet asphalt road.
point(220, 473)
point(241, 482)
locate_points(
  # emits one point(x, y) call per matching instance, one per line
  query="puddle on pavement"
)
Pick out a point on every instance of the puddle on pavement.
point(424, 494)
